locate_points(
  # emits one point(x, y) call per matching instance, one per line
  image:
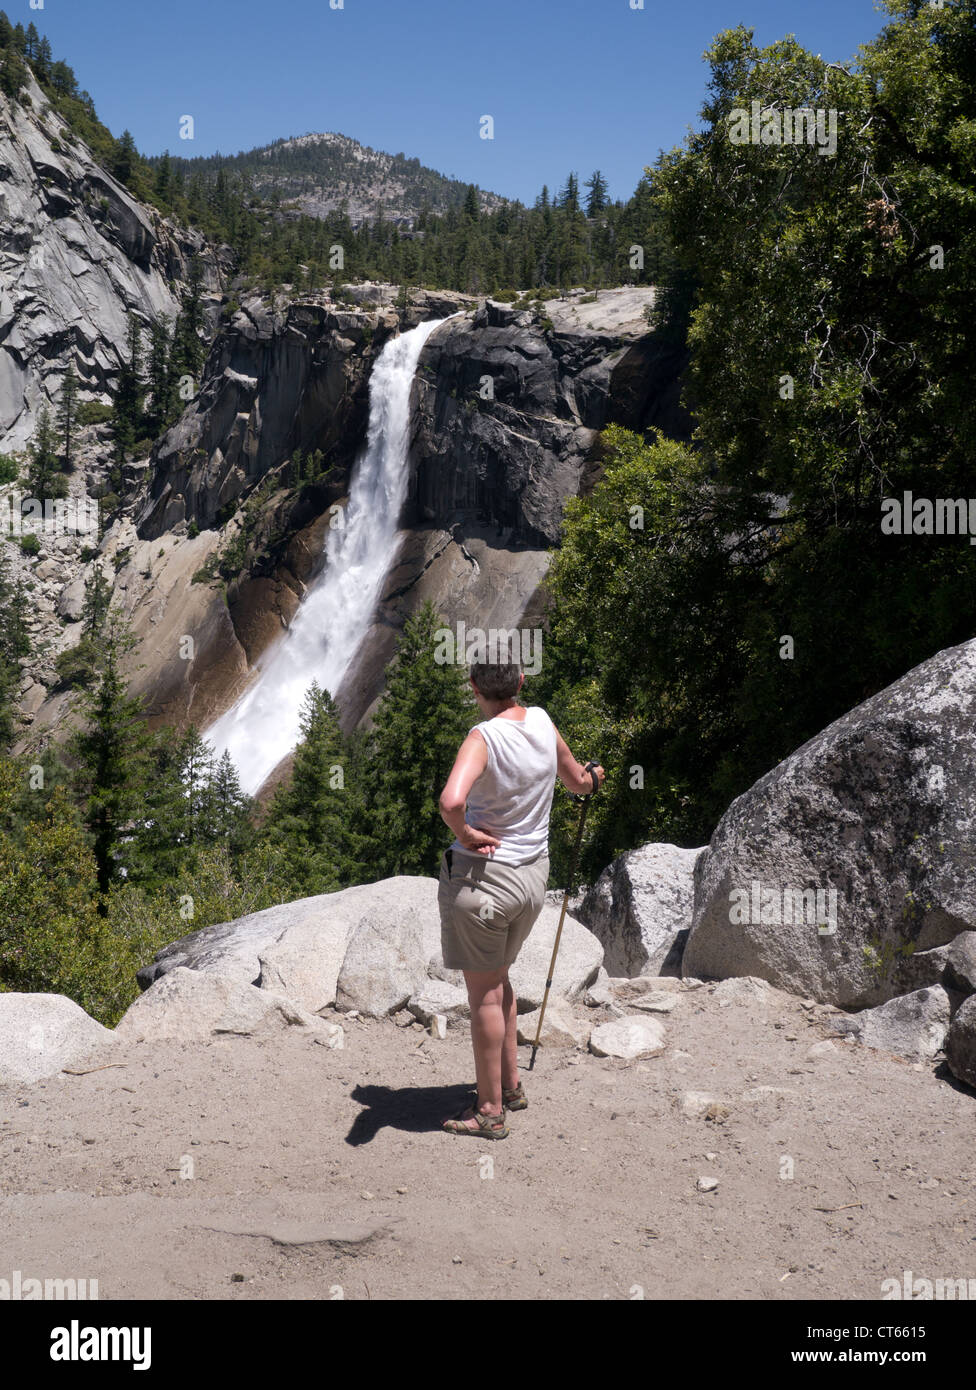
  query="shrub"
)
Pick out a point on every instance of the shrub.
point(75, 666)
point(9, 469)
point(30, 544)
point(94, 413)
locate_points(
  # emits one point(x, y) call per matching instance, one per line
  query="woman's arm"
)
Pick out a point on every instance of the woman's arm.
point(572, 774)
point(470, 763)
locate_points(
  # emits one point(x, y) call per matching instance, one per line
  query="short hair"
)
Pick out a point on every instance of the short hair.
point(497, 680)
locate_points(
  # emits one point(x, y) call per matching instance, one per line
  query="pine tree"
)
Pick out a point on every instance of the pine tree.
point(6, 30)
point(229, 809)
point(161, 411)
point(95, 605)
point(111, 754)
point(311, 816)
point(15, 644)
point(68, 414)
point(423, 716)
point(13, 74)
point(44, 476)
point(124, 157)
point(129, 393)
point(599, 189)
point(31, 41)
point(44, 60)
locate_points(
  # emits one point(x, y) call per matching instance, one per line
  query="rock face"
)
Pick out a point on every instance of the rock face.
point(374, 948)
point(641, 909)
point(42, 1033)
point(77, 254)
point(878, 813)
point(913, 1025)
point(512, 460)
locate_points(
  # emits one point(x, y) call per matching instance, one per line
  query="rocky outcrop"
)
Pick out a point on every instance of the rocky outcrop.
point(879, 811)
point(641, 908)
point(961, 1043)
point(77, 254)
point(509, 406)
point(374, 948)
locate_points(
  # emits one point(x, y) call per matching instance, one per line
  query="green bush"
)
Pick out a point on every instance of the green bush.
point(94, 413)
point(75, 666)
point(9, 469)
point(30, 544)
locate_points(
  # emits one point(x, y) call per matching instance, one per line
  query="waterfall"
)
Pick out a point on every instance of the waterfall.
point(263, 726)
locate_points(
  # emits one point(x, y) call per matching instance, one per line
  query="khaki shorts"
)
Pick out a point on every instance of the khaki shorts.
point(487, 909)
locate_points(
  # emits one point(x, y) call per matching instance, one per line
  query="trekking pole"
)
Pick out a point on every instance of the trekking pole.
point(585, 800)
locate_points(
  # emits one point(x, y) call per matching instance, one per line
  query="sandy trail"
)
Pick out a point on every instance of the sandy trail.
point(321, 1173)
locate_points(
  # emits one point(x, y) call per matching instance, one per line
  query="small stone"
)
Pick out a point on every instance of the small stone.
point(366, 1196)
point(456, 1260)
point(403, 1191)
point(820, 1050)
point(707, 1184)
point(438, 1026)
point(710, 1158)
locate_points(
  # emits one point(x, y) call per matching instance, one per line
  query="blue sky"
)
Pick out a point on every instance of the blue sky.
point(571, 84)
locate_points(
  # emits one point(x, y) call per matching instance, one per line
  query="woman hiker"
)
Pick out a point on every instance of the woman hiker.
point(493, 878)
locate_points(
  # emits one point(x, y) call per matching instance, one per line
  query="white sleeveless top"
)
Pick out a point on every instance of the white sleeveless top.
point(513, 796)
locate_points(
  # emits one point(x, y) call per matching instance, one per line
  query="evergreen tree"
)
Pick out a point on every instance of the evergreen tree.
point(597, 199)
point(161, 411)
point(44, 476)
point(44, 60)
point(68, 414)
point(229, 808)
point(15, 644)
point(425, 713)
point(129, 393)
point(311, 815)
point(13, 74)
point(95, 605)
point(111, 751)
point(6, 30)
point(31, 42)
point(124, 157)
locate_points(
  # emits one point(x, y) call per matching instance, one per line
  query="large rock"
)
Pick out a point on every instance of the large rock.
point(561, 1027)
point(960, 973)
point(641, 908)
point(913, 1025)
point(381, 940)
point(579, 960)
point(397, 934)
point(42, 1033)
point(961, 1043)
point(304, 963)
point(880, 809)
point(629, 1038)
point(193, 1006)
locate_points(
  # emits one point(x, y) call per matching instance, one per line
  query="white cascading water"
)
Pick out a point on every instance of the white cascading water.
point(263, 726)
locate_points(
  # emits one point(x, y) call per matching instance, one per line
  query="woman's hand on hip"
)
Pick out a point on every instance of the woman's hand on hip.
point(474, 839)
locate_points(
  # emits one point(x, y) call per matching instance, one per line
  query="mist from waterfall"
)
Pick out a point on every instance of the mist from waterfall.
point(263, 726)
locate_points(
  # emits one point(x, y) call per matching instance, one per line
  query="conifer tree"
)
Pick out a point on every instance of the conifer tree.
point(424, 714)
point(44, 476)
point(68, 414)
point(129, 394)
point(111, 752)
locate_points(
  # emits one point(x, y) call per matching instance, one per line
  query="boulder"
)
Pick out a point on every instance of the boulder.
point(397, 932)
point(960, 973)
point(913, 1025)
point(192, 1006)
point(439, 997)
point(641, 909)
point(960, 1043)
point(630, 1038)
point(852, 851)
point(579, 959)
point(42, 1033)
point(560, 1027)
point(304, 963)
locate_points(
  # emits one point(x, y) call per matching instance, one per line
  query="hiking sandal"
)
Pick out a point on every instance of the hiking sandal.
point(515, 1100)
point(489, 1126)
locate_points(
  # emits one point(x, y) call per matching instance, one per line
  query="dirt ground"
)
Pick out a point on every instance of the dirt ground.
point(270, 1168)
